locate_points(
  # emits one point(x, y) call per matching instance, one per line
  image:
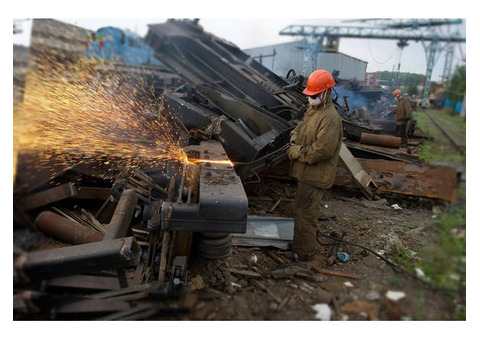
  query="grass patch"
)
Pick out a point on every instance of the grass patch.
point(433, 153)
point(420, 307)
point(444, 263)
point(453, 122)
point(461, 193)
point(395, 281)
point(438, 148)
point(404, 259)
point(444, 259)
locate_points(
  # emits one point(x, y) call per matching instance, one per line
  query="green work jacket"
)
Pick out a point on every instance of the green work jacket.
point(403, 111)
point(320, 134)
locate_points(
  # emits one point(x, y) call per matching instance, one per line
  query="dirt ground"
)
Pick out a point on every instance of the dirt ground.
point(242, 286)
point(267, 283)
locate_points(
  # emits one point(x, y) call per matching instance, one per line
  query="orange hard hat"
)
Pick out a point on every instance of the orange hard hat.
point(397, 92)
point(319, 81)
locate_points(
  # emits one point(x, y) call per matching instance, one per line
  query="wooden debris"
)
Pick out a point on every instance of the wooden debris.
point(92, 220)
point(312, 276)
point(247, 273)
point(283, 303)
point(288, 271)
point(334, 273)
point(360, 306)
point(266, 290)
point(276, 204)
point(265, 198)
point(278, 257)
point(190, 300)
point(198, 282)
point(163, 256)
point(247, 289)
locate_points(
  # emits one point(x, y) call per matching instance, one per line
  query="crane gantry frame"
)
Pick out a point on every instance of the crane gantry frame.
point(412, 29)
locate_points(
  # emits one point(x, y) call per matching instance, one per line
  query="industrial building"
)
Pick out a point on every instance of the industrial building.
point(67, 41)
point(280, 58)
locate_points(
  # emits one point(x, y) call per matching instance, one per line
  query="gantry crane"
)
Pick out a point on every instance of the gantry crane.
point(422, 30)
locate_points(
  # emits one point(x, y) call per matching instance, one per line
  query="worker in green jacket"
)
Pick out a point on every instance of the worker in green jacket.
point(314, 150)
point(403, 116)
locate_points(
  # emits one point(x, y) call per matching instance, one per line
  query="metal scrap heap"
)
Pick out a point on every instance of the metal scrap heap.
point(105, 230)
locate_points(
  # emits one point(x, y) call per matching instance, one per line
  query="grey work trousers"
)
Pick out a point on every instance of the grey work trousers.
point(308, 201)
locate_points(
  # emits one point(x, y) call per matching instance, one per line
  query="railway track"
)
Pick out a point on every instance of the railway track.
point(460, 146)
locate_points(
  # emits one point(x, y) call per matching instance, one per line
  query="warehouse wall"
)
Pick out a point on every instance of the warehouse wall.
point(291, 56)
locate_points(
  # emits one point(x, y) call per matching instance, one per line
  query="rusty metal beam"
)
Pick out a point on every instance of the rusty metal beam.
point(363, 151)
point(90, 282)
point(92, 193)
point(438, 182)
point(118, 226)
point(360, 176)
point(65, 304)
point(112, 254)
point(48, 196)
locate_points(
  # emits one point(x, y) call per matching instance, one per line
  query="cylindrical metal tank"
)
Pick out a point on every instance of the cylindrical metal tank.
point(66, 230)
point(380, 140)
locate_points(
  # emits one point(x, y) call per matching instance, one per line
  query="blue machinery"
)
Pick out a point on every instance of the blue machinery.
point(120, 46)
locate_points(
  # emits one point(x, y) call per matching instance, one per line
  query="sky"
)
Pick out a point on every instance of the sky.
point(248, 32)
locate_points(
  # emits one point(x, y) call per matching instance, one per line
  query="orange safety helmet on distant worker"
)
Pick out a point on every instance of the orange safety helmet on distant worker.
point(397, 92)
point(319, 81)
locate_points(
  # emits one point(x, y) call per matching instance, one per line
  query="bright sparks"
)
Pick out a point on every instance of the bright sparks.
point(73, 111)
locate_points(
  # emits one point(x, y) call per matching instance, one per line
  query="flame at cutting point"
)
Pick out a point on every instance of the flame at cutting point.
point(211, 161)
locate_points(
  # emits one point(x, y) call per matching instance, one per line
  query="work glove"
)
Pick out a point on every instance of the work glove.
point(293, 152)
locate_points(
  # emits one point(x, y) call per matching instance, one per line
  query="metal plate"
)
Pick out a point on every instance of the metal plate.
point(407, 178)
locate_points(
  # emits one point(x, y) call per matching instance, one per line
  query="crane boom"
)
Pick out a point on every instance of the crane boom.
point(367, 33)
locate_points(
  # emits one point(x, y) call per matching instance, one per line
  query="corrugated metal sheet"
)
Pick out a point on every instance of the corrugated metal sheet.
point(280, 58)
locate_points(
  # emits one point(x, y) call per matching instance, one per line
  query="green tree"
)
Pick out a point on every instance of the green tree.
point(457, 85)
point(412, 90)
point(402, 79)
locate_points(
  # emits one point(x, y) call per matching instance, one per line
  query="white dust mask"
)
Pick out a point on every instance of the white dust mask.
point(314, 102)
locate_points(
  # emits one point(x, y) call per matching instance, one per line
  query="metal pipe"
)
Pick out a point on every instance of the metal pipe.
point(118, 226)
point(380, 140)
point(66, 230)
point(104, 255)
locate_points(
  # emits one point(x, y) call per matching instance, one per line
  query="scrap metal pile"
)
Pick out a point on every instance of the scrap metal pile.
point(119, 239)
point(124, 258)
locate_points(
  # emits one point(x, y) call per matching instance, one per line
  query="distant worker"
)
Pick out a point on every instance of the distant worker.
point(403, 116)
point(314, 150)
